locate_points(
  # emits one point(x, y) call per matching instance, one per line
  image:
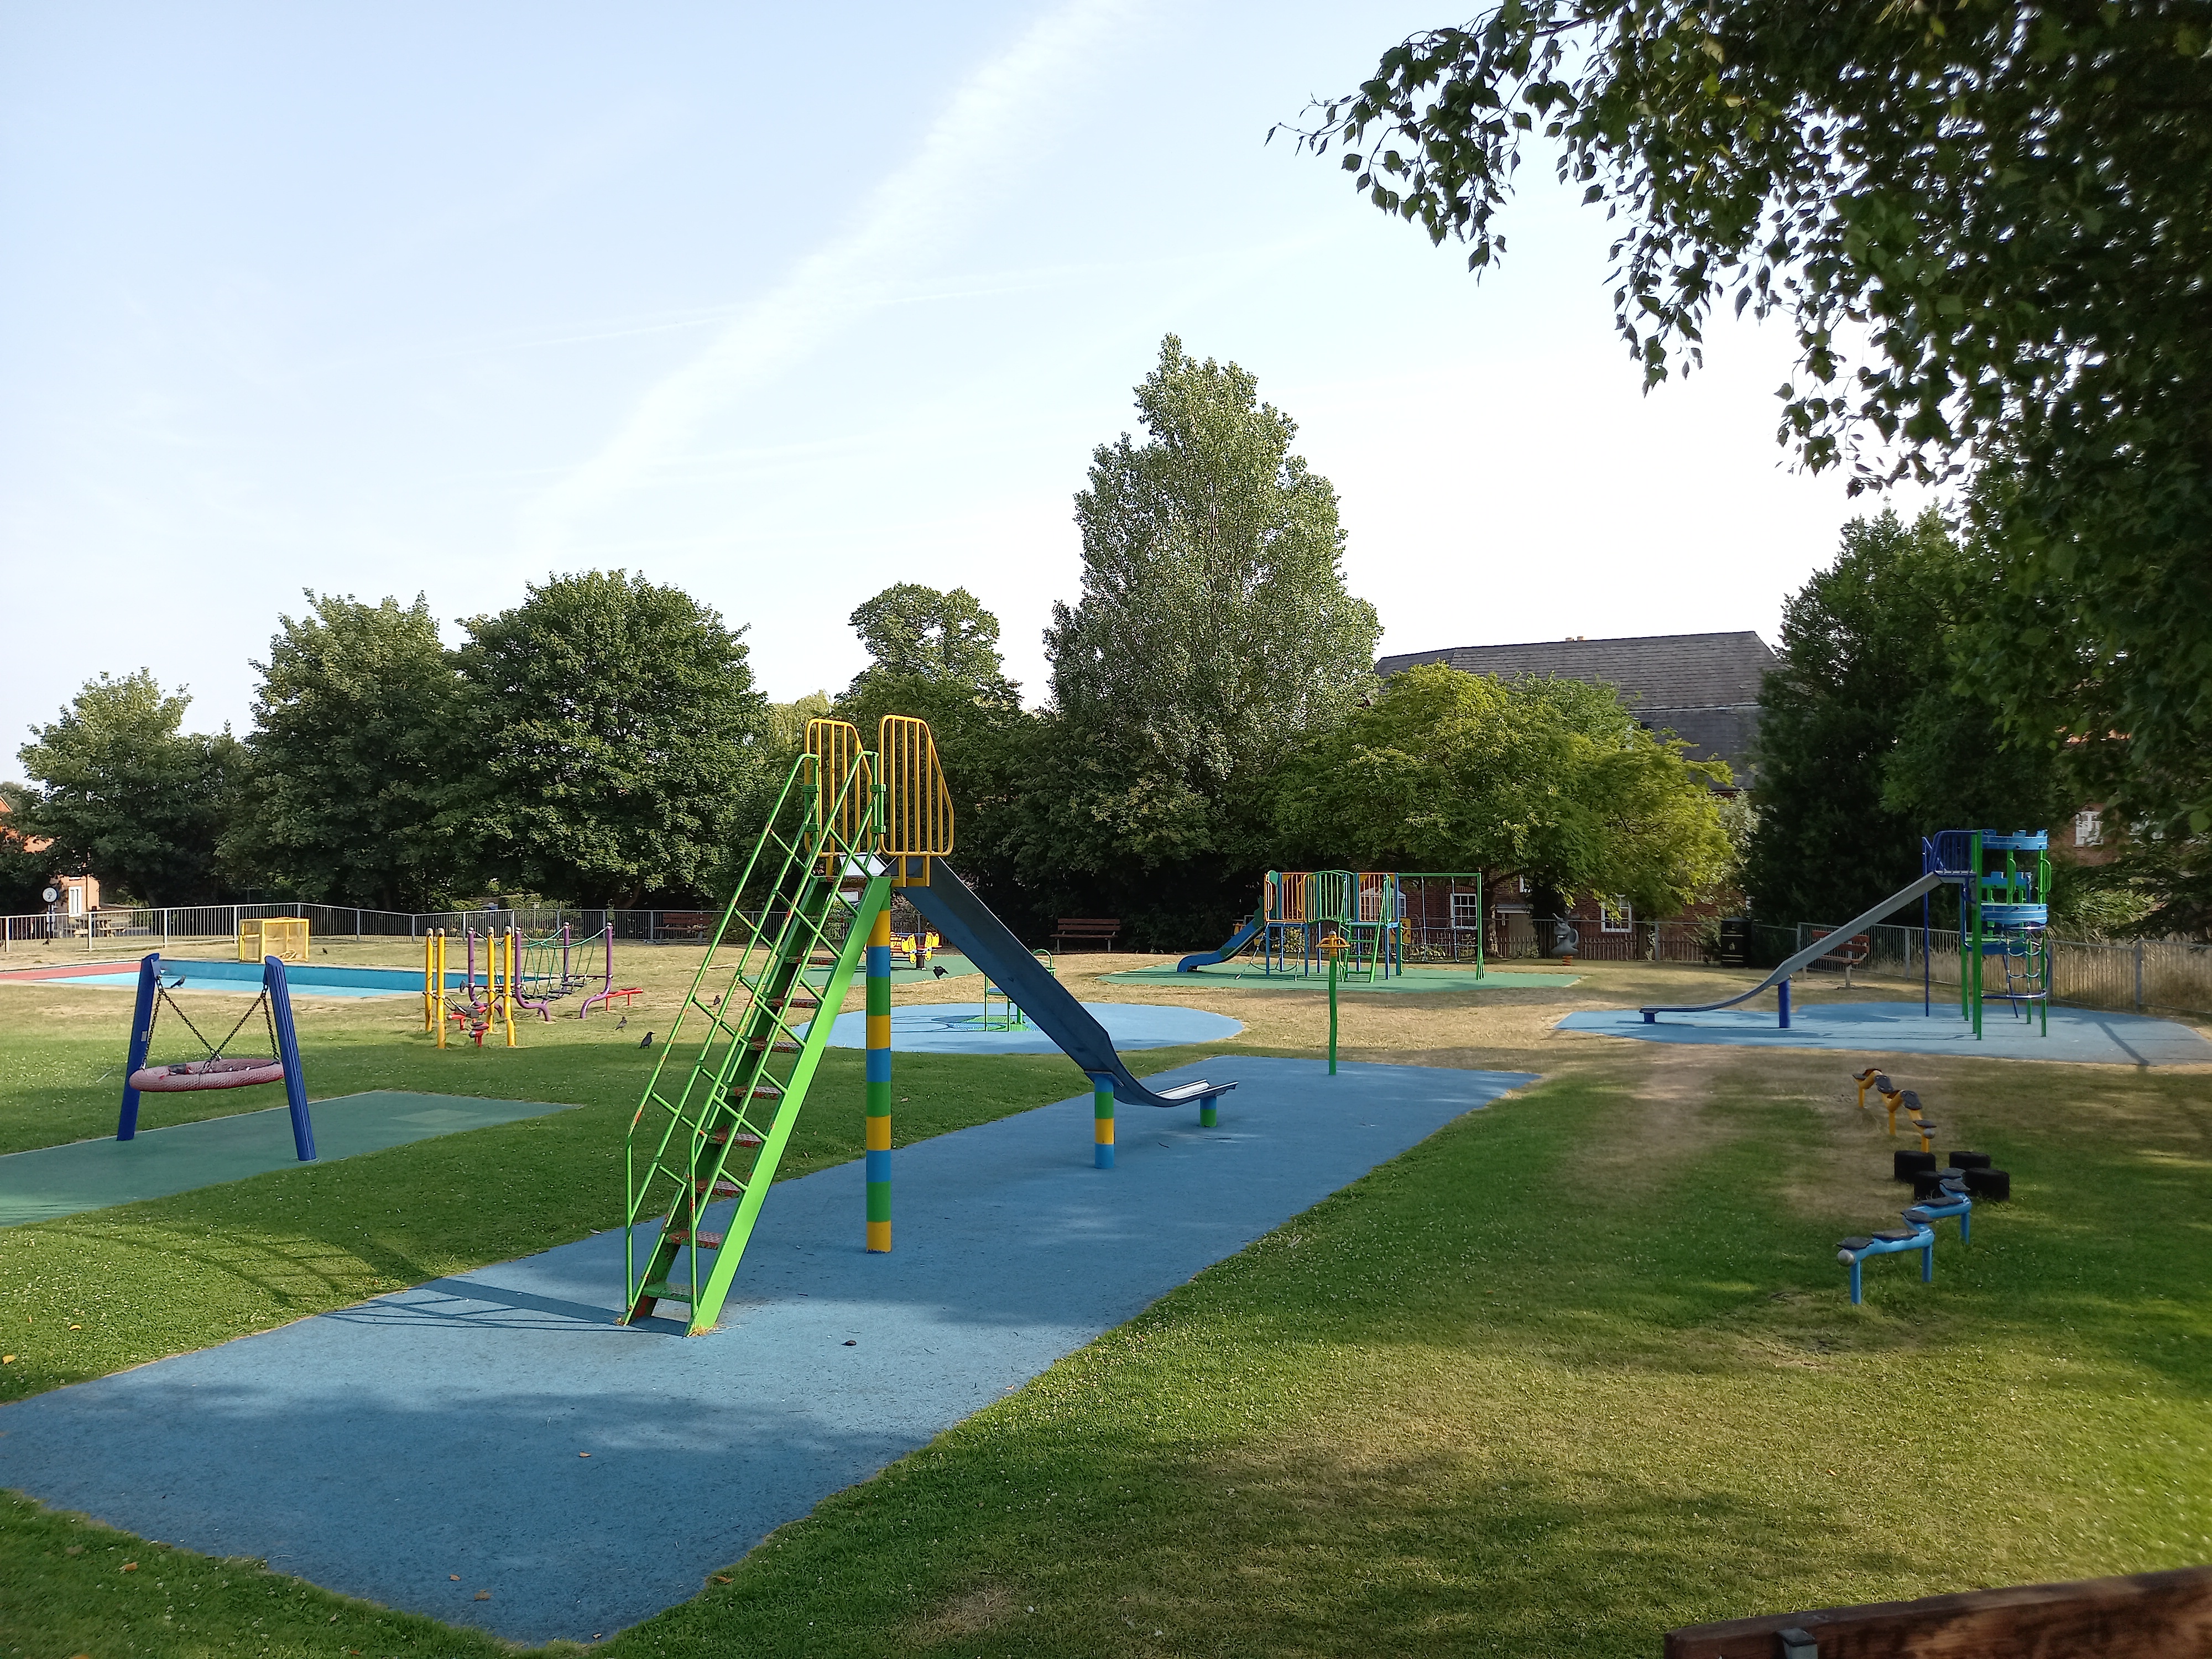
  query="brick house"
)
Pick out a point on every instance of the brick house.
point(78, 895)
point(1702, 687)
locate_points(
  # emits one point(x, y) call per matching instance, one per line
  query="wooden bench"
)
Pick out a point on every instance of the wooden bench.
point(1851, 953)
point(1099, 927)
point(2146, 1617)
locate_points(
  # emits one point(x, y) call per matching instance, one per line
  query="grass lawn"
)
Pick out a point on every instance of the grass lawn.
point(1576, 1369)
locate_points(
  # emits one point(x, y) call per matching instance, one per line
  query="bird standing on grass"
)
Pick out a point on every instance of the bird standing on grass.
point(645, 1041)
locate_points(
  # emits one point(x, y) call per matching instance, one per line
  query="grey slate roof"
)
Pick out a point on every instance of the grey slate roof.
point(1702, 687)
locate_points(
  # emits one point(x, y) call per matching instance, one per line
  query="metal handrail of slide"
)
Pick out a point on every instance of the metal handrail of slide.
point(1819, 947)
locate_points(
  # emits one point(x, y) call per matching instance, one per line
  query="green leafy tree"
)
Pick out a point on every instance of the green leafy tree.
point(948, 639)
point(27, 864)
point(1865, 743)
point(1214, 635)
point(621, 747)
point(1551, 778)
point(1988, 225)
point(935, 656)
point(788, 723)
point(126, 793)
point(357, 757)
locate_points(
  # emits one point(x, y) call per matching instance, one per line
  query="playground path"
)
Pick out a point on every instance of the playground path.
point(2078, 1036)
point(91, 1174)
point(959, 1028)
point(429, 1445)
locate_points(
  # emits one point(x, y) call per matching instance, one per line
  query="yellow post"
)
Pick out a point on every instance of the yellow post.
point(506, 992)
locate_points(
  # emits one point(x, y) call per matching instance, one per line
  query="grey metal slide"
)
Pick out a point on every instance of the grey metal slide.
point(968, 926)
point(1819, 947)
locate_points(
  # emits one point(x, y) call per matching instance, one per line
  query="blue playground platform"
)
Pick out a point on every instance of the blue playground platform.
point(2079, 1036)
point(957, 1028)
point(379, 1449)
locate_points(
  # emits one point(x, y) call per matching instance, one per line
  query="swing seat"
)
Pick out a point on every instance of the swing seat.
point(206, 1074)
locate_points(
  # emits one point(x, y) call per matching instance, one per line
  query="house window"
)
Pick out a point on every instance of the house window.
point(1615, 916)
point(2088, 827)
point(1466, 910)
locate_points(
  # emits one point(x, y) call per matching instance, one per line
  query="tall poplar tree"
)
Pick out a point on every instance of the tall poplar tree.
point(1214, 635)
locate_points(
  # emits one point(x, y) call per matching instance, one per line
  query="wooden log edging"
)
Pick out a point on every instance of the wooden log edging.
point(2150, 1615)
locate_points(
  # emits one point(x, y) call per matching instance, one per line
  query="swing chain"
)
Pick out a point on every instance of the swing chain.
point(214, 1050)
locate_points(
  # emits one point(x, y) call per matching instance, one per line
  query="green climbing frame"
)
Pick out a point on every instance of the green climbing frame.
point(753, 1040)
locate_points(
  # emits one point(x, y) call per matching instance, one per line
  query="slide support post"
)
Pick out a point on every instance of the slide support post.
point(141, 1037)
point(1332, 1013)
point(1783, 994)
point(878, 1139)
point(1102, 1121)
point(279, 993)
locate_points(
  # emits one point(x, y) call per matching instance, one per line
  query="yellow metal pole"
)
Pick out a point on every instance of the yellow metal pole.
point(507, 1005)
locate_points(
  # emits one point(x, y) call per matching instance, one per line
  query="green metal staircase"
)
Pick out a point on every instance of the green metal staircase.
point(751, 1026)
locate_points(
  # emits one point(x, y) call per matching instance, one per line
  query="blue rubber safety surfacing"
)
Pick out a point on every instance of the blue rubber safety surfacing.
point(378, 1450)
point(2078, 1036)
point(956, 1028)
point(90, 1175)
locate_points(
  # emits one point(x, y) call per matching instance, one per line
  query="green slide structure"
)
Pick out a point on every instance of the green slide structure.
point(750, 1033)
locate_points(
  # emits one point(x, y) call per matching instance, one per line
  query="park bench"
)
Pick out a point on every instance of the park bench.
point(1099, 927)
point(681, 925)
point(1851, 953)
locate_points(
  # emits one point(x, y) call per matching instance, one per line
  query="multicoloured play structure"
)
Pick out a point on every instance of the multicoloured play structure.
point(216, 1068)
point(1367, 911)
point(2005, 883)
point(852, 827)
point(2004, 905)
point(520, 971)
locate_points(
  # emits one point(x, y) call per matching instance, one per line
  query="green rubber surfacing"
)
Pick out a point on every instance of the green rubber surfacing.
point(91, 1174)
point(1414, 980)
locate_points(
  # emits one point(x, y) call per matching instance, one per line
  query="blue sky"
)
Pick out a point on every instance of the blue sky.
point(781, 306)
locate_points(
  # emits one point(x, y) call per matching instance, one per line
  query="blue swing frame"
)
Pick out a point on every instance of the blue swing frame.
point(279, 993)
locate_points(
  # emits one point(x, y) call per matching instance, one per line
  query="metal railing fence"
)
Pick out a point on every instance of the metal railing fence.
point(2173, 975)
point(161, 927)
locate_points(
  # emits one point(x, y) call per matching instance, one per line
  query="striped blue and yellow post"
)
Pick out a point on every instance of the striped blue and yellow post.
point(1102, 1121)
point(879, 1082)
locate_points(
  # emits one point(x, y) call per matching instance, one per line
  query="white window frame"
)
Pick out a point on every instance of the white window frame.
point(1466, 912)
point(1615, 916)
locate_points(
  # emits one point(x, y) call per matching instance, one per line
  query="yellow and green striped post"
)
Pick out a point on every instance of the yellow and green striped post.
point(1102, 1121)
point(879, 1082)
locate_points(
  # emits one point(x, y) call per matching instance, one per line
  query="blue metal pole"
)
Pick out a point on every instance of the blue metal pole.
point(1783, 993)
point(288, 1050)
point(142, 1036)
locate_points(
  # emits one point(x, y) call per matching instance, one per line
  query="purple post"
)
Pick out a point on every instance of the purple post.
point(141, 1037)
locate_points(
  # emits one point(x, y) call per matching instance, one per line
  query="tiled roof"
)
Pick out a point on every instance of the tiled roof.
point(1703, 687)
